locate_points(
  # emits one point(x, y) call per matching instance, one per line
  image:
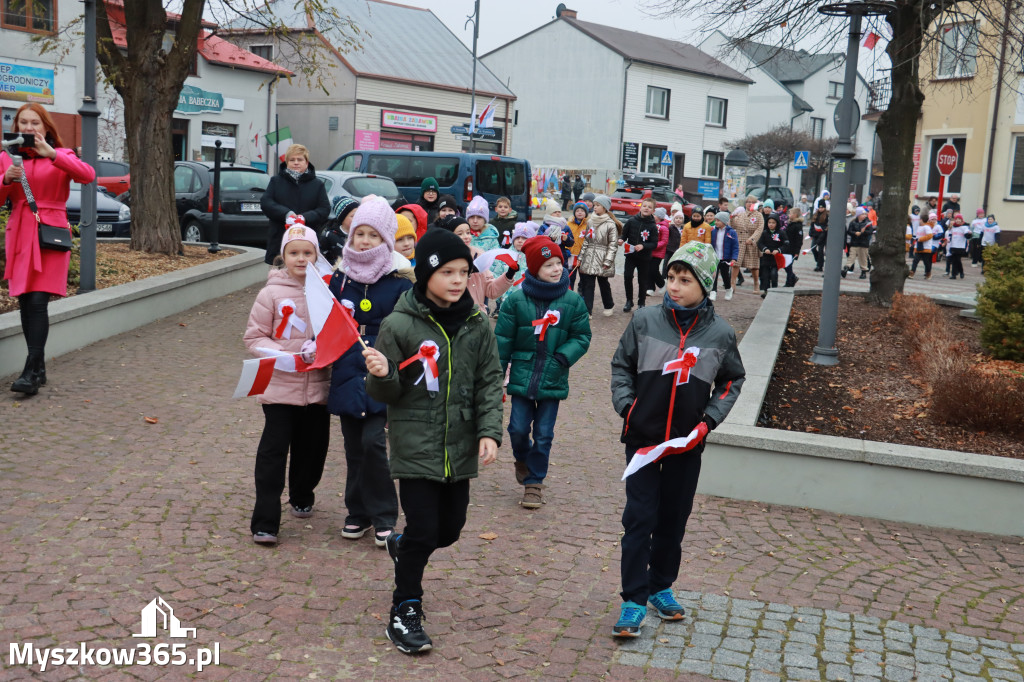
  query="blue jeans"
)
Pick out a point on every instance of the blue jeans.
point(540, 414)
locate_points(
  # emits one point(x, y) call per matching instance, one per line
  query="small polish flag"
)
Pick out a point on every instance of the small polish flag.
point(783, 260)
point(628, 248)
point(334, 330)
point(649, 455)
point(871, 39)
point(805, 252)
point(256, 375)
point(484, 261)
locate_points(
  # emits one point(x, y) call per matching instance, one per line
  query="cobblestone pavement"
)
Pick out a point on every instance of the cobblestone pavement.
point(104, 511)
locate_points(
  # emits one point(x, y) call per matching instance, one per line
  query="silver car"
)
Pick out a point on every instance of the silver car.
point(357, 185)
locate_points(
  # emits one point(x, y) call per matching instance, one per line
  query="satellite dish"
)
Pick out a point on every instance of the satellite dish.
point(559, 9)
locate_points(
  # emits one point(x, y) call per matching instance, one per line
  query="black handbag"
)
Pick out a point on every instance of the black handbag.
point(51, 237)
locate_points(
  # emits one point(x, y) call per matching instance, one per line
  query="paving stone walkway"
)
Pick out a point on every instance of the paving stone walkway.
point(104, 510)
point(753, 641)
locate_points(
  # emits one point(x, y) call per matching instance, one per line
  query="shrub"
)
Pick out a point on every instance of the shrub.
point(1001, 301)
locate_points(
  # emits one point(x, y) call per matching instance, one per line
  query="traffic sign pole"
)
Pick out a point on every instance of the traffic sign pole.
point(942, 189)
point(946, 161)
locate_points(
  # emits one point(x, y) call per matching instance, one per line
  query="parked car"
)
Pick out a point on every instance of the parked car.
point(241, 188)
point(778, 195)
point(459, 174)
point(626, 201)
point(113, 176)
point(358, 185)
point(113, 219)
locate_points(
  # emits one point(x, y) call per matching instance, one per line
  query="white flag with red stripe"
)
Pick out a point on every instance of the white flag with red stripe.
point(334, 329)
point(649, 455)
point(257, 372)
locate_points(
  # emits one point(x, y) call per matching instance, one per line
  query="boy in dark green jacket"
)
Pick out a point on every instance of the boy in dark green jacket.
point(543, 329)
point(435, 364)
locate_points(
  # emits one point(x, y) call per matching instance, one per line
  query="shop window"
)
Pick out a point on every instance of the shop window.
point(953, 181)
point(37, 16)
point(226, 130)
point(652, 159)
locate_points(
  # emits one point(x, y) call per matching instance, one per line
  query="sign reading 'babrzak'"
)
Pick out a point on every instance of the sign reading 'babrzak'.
point(192, 100)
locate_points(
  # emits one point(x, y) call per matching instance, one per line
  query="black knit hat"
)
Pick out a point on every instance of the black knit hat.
point(447, 201)
point(434, 249)
point(450, 222)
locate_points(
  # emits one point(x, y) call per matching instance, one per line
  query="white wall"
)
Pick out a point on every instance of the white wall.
point(685, 130)
point(569, 90)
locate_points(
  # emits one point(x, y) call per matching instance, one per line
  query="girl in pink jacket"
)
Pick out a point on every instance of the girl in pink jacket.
point(295, 403)
point(34, 273)
point(482, 285)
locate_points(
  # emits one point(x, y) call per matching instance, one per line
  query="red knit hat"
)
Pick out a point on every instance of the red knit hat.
point(538, 250)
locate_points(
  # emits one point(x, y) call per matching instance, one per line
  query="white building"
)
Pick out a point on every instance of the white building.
point(403, 85)
point(796, 88)
point(228, 95)
point(603, 100)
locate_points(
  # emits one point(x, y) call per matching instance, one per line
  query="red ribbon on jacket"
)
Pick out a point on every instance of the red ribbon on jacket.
point(286, 313)
point(427, 352)
point(550, 317)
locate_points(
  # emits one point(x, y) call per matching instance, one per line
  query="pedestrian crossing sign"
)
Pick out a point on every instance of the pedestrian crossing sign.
point(800, 160)
point(666, 158)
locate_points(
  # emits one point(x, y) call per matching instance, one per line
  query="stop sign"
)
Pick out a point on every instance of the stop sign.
point(946, 159)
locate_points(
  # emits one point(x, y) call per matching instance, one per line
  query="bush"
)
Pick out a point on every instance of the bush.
point(1001, 302)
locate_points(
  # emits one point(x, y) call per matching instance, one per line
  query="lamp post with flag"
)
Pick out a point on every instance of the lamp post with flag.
point(475, 19)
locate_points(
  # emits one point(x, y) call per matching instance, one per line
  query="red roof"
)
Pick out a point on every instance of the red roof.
point(214, 49)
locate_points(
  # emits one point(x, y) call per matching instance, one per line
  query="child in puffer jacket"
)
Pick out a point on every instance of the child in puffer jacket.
point(294, 403)
point(485, 235)
point(369, 286)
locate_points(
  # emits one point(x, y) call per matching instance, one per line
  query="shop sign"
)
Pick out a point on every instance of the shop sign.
point(192, 100)
point(225, 142)
point(407, 121)
point(367, 139)
point(26, 83)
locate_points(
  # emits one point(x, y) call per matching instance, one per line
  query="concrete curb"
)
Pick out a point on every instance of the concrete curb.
point(944, 488)
point(79, 320)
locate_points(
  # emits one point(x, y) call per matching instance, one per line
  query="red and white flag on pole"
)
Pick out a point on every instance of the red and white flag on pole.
point(324, 267)
point(257, 372)
point(782, 260)
point(649, 455)
point(484, 261)
point(334, 329)
point(871, 39)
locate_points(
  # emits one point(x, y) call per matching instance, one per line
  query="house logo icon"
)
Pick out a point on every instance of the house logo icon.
point(159, 612)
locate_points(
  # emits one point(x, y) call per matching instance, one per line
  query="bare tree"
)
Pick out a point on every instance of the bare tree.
point(820, 158)
point(931, 32)
point(148, 72)
point(771, 149)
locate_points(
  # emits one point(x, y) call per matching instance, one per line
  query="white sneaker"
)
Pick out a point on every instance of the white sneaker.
point(608, 312)
point(713, 295)
point(650, 292)
point(728, 294)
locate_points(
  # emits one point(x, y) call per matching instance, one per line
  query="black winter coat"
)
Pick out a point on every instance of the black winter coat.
point(866, 229)
point(640, 230)
point(284, 194)
point(566, 188)
point(794, 237)
point(773, 241)
point(348, 376)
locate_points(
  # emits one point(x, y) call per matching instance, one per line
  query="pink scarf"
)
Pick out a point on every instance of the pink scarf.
point(366, 267)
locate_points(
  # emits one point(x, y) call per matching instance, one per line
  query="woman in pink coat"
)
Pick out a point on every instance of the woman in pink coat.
point(33, 274)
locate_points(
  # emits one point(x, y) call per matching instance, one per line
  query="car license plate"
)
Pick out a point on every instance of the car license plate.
point(104, 228)
point(250, 208)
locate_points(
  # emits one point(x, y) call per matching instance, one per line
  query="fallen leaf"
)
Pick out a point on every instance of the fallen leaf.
point(182, 324)
point(152, 420)
point(489, 535)
point(812, 429)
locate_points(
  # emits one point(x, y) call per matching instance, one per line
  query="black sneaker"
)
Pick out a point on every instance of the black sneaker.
point(626, 308)
point(264, 538)
point(391, 542)
point(405, 628)
point(302, 512)
point(863, 274)
point(844, 271)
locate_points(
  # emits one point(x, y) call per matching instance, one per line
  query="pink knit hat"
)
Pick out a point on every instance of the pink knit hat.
point(296, 229)
point(376, 213)
point(478, 207)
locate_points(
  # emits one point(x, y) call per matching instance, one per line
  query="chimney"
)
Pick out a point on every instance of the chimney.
point(569, 13)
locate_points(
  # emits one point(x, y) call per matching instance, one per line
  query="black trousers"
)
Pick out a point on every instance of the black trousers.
point(656, 279)
point(923, 257)
point(975, 251)
point(642, 266)
point(956, 262)
point(769, 273)
point(434, 516)
point(306, 431)
point(659, 498)
point(587, 291)
point(818, 249)
point(724, 272)
point(566, 201)
point(369, 491)
point(35, 320)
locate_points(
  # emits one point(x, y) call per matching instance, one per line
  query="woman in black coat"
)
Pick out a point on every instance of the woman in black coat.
point(295, 189)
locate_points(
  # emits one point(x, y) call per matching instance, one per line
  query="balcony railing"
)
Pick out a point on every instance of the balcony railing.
point(881, 92)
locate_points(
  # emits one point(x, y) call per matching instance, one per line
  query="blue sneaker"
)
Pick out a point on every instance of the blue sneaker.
point(666, 605)
point(630, 620)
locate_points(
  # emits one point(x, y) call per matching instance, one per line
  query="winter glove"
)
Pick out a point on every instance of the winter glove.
point(308, 351)
point(701, 432)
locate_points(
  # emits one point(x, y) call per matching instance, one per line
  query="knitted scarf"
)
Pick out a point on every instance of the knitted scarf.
point(684, 315)
point(366, 267)
point(545, 291)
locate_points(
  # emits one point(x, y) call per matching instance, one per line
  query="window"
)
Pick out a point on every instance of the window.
point(1017, 169)
point(657, 102)
point(958, 52)
point(184, 180)
point(712, 166)
point(501, 178)
point(817, 128)
point(264, 51)
point(652, 160)
point(349, 162)
point(835, 90)
point(227, 131)
point(716, 111)
point(38, 16)
point(240, 180)
point(111, 169)
point(953, 181)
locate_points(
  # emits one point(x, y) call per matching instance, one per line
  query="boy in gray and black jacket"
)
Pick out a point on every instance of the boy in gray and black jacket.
point(675, 376)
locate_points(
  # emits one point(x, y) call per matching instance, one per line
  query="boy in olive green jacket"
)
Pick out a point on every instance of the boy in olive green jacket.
point(435, 364)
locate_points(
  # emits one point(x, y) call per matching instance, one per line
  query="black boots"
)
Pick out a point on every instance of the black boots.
point(32, 377)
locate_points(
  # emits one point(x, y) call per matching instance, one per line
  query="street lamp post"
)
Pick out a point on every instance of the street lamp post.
point(89, 113)
point(826, 353)
point(475, 18)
